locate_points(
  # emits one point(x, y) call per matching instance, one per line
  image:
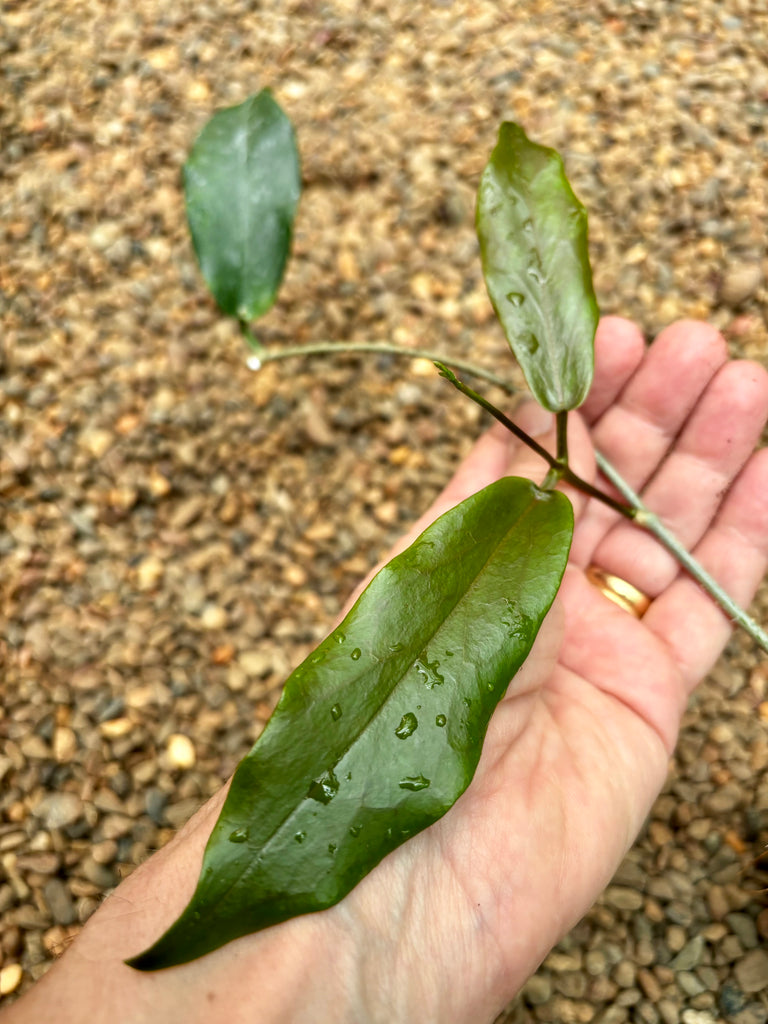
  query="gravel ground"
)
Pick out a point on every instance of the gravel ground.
point(177, 531)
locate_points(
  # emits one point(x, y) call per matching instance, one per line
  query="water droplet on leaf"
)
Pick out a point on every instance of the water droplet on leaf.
point(336, 712)
point(331, 848)
point(407, 727)
point(324, 789)
point(516, 298)
point(355, 654)
point(428, 671)
point(355, 830)
point(531, 343)
point(440, 720)
point(414, 782)
point(395, 647)
point(300, 837)
point(339, 638)
point(536, 275)
point(240, 835)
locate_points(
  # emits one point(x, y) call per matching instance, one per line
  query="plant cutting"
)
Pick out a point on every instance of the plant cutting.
point(379, 730)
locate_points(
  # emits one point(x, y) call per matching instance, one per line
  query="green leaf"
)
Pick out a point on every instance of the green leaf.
point(242, 184)
point(380, 730)
point(533, 244)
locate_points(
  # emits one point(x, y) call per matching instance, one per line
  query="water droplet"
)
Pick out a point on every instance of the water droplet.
point(395, 647)
point(489, 687)
point(449, 654)
point(527, 224)
point(317, 657)
point(240, 835)
point(300, 837)
point(441, 720)
point(331, 848)
point(467, 702)
point(253, 363)
point(428, 671)
point(336, 712)
point(324, 789)
point(339, 638)
point(196, 915)
point(407, 727)
point(414, 782)
point(536, 275)
point(531, 343)
point(355, 830)
point(516, 298)
point(355, 654)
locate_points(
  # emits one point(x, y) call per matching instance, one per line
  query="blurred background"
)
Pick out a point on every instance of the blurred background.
point(177, 532)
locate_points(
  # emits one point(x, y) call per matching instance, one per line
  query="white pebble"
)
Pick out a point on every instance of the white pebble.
point(10, 978)
point(181, 751)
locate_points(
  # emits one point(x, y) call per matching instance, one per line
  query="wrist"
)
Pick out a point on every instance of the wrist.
point(299, 972)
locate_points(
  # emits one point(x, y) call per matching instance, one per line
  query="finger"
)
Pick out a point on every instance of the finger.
point(619, 350)
point(735, 552)
point(687, 491)
point(636, 433)
point(610, 648)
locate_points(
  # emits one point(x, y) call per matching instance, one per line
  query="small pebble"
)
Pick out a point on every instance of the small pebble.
point(740, 283)
point(57, 810)
point(10, 978)
point(181, 751)
point(538, 989)
point(751, 972)
point(690, 955)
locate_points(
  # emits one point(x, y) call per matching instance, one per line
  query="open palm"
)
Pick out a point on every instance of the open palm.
point(579, 747)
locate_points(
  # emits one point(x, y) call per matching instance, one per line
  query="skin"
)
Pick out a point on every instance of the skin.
point(448, 927)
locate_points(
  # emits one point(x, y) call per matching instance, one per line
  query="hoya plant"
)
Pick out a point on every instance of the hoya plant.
point(379, 731)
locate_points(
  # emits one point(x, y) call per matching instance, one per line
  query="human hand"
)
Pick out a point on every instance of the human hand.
point(577, 751)
point(450, 925)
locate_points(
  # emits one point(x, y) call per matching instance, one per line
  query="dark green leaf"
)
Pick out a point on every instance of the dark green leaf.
point(380, 730)
point(242, 184)
point(533, 244)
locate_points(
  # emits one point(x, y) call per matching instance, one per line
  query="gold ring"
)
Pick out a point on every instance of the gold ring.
point(619, 591)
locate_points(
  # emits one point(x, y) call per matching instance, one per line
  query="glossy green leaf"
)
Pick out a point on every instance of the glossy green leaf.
point(380, 730)
point(242, 183)
point(533, 244)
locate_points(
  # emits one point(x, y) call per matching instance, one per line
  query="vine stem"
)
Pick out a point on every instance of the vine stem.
point(558, 467)
point(635, 510)
point(651, 522)
point(262, 355)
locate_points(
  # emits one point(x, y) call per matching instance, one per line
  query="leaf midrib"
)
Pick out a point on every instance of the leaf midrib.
point(252, 866)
